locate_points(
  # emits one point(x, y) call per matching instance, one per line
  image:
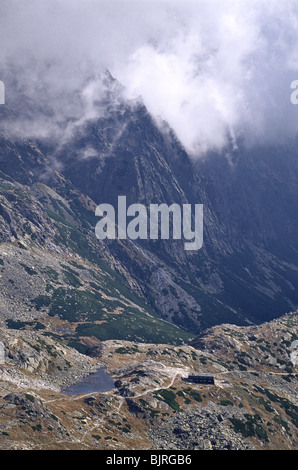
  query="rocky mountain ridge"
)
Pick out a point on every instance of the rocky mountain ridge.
point(246, 271)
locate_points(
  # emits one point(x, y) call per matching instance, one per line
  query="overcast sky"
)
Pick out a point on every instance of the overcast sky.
point(213, 69)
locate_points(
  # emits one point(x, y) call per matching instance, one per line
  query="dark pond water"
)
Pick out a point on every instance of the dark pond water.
point(99, 381)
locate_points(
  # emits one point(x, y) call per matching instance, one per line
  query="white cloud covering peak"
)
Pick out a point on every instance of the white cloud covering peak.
point(214, 70)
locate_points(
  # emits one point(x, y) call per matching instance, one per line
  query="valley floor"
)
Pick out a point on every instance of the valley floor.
point(252, 405)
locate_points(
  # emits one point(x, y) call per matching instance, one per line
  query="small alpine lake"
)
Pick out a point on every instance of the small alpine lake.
point(99, 381)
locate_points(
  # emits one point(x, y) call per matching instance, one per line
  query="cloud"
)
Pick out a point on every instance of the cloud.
point(214, 70)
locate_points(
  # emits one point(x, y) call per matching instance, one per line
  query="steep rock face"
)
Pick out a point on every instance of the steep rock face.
point(53, 267)
point(246, 270)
